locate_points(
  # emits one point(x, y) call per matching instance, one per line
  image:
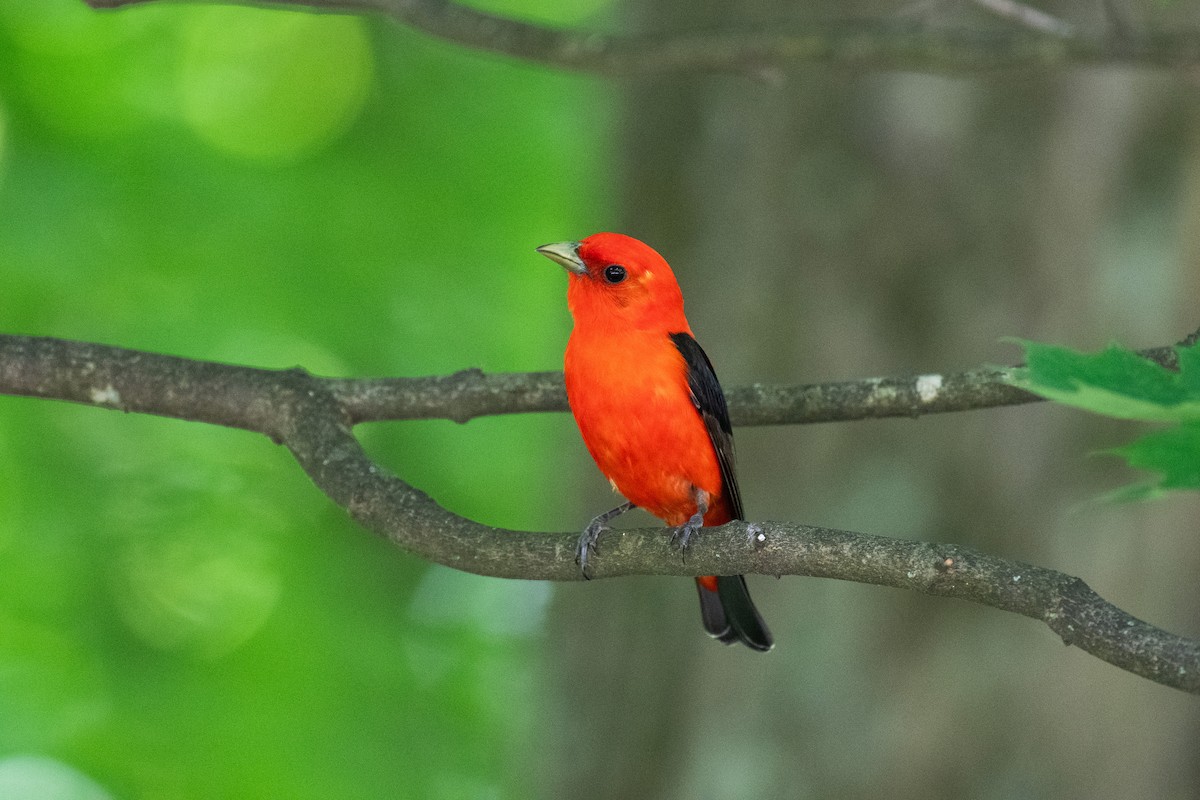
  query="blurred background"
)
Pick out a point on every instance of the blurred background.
point(183, 615)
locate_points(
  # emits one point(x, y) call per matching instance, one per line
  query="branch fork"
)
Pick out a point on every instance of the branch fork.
point(313, 417)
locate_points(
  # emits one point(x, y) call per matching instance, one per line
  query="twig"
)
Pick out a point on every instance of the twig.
point(1028, 16)
point(887, 43)
point(472, 393)
point(312, 417)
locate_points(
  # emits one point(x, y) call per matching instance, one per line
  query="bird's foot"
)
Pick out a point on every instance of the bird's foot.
point(588, 545)
point(683, 534)
point(589, 540)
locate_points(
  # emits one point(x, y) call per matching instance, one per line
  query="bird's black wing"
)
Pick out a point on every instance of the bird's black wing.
point(710, 402)
point(731, 615)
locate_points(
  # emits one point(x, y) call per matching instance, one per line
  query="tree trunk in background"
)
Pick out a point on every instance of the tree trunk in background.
point(830, 226)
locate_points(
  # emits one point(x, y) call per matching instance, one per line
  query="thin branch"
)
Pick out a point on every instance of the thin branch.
point(892, 43)
point(1028, 16)
point(313, 416)
point(178, 387)
point(473, 393)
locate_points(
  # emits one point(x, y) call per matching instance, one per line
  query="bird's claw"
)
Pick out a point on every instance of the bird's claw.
point(683, 534)
point(588, 544)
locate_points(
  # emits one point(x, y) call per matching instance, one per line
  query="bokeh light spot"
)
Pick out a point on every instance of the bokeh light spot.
point(46, 779)
point(196, 593)
point(272, 86)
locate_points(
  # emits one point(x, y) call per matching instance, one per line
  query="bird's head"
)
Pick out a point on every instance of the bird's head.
point(616, 280)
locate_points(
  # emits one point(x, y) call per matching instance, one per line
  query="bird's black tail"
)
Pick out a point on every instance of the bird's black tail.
point(729, 614)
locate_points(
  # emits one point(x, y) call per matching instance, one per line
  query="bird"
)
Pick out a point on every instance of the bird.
point(651, 411)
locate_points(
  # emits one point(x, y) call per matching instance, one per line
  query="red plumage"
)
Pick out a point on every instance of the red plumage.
point(649, 406)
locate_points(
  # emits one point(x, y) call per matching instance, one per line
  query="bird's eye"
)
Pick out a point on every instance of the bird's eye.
point(614, 273)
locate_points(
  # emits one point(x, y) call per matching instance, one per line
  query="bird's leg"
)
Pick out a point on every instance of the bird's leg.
point(591, 534)
point(684, 533)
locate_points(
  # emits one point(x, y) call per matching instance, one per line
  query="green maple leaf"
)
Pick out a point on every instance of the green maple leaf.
point(1120, 383)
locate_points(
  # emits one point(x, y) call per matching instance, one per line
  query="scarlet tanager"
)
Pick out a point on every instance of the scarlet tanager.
point(650, 409)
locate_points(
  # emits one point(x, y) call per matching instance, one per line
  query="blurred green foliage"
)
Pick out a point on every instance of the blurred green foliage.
point(182, 615)
point(1119, 383)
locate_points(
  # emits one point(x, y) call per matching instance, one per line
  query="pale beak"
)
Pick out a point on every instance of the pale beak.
point(566, 255)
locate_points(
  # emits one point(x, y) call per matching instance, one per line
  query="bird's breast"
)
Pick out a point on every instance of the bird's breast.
point(629, 394)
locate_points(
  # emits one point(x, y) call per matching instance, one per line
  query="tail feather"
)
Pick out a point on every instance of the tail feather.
point(729, 614)
point(712, 614)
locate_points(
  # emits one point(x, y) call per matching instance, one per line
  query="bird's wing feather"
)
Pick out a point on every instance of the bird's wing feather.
point(710, 402)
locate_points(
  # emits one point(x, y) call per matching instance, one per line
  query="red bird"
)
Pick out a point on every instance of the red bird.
point(650, 409)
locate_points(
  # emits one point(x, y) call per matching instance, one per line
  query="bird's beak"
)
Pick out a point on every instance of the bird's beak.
point(566, 255)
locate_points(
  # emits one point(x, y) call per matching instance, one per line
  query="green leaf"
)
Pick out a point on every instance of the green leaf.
point(1114, 382)
point(1173, 452)
point(1120, 383)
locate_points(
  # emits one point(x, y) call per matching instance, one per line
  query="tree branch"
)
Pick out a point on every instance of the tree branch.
point(472, 393)
point(313, 416)
point(890, 43)
point(1032, 18)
